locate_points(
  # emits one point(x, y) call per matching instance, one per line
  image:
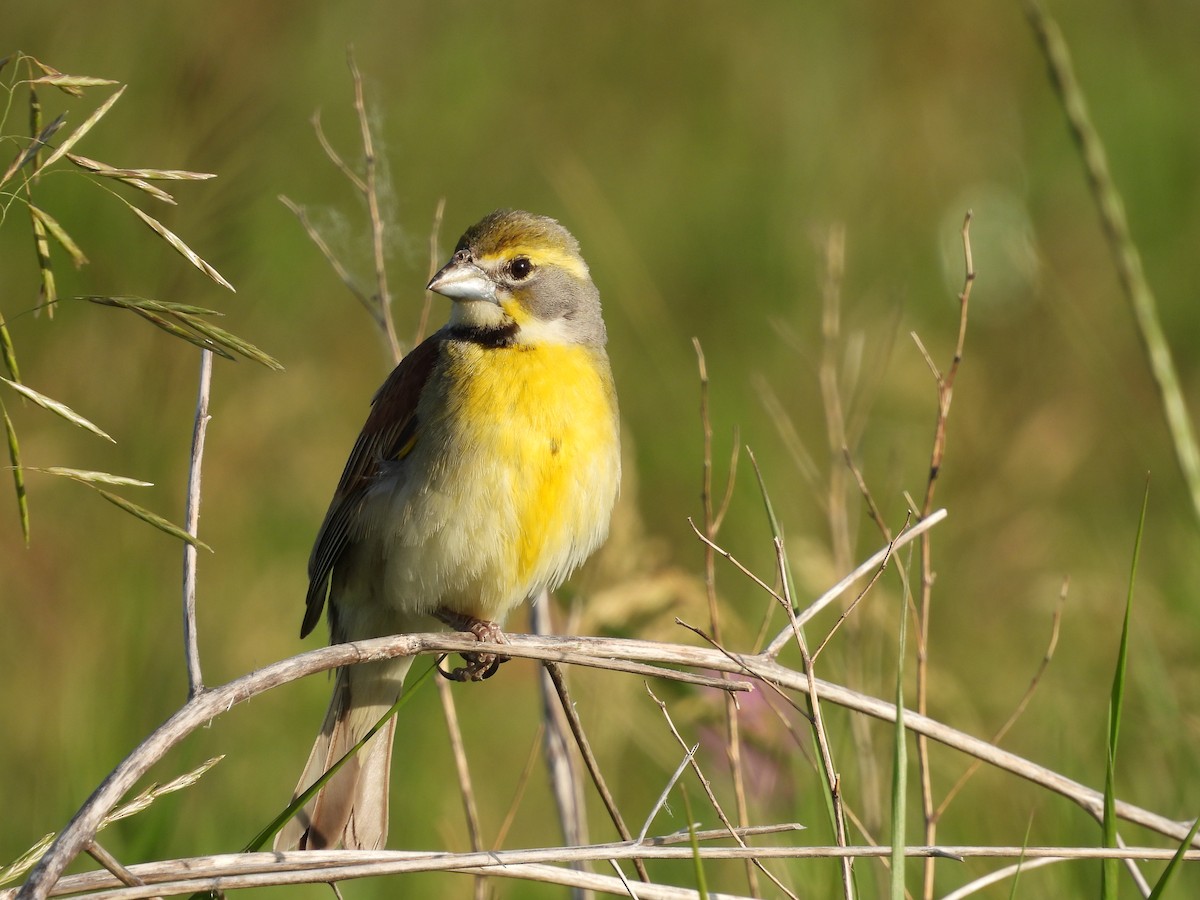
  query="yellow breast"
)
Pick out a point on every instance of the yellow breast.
point(519, 456)
point(544, 422)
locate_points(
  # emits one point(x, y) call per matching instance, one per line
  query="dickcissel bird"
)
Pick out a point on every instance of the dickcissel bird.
point(486, 473)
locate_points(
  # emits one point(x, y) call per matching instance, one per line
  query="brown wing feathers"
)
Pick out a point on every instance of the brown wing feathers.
point(389, 432)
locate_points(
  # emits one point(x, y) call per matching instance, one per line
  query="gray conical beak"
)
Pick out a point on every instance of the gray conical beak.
point(461, 279)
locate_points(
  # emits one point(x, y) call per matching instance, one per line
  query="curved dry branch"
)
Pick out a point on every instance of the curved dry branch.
point(243, 870)
point(214, 702)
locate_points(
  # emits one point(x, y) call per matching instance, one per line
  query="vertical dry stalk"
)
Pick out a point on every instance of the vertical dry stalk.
point(383, 296)
point(945, 393)
point(834, 257)
point(435, 259)
point(565, 781)
point(831, 398)
point(712, 797)
point(463, 770)
point(589, 759)
point(818, 722)
point(191, 524)
point(712, 524)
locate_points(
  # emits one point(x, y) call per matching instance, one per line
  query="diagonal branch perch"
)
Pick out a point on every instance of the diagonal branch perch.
point(210, 704)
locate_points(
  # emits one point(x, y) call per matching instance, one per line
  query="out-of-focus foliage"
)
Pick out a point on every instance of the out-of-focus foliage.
point(701, 152)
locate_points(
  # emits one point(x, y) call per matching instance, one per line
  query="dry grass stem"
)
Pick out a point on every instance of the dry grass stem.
point(831, 396)
point(589, 758)
point(233, 871)
point(945, 395)
point(689, 755)
point(828, 770)
point(216, 701)
point(383, 297)
point(519, 791)
point(712, 524)
point(326, 251)
point(112, 864)
point(566, 783)
point(191, 524)
point(435, 261)
point(869, 565)
point(463, 771)
point(712, 797)
point(1055, 625)
point(853, 604)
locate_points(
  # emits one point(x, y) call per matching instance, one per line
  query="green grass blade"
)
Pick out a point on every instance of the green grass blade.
point(108, 171)
point(41, 244)
point(8, 351)
point(163, 306)
point(14, 456)
point(1123, 249)
point(151, 519)
point(60, 409)
point(776, 528)
point(27, 860)
point(1112, 867)
point(697, 861)
point(34, 148)
point(59, 234)
point(178, 244)
point(230, 341)
point(89, 475)
point(1012, 891)
point(1160, 886)
point(182, 333)
point(73, 138)
point(259, 840)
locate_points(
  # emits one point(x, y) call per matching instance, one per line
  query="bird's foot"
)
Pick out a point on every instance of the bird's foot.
point(480, 665)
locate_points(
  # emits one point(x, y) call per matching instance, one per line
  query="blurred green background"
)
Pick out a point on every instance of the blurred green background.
point(701, 153)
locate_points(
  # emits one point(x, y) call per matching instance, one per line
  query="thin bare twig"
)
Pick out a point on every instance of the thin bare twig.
point(112, 864)
point(945, 394)
point(233, 871)
point(589, 758)
point(712, 523)
point(689, 755)
point(216, 701)
point(565, 782)
point(850, 607)
point(435, 261)
point(379, 302)
point(1055, 624)
point(869, 565)
point(832, 779)
point(383, 296)
point(519, 790)
point(192, 523)
point(712, 797)
point(342, 272)
point(463, 770)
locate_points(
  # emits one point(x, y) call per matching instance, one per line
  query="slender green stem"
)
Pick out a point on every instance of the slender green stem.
point(1125, 252)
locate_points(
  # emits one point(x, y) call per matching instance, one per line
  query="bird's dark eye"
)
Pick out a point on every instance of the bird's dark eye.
point(520, 268)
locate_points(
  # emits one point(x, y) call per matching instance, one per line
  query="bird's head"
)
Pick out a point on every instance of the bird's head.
point(516, 269)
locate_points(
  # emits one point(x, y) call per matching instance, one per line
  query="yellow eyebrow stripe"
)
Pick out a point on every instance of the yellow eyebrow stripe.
point(540, 256)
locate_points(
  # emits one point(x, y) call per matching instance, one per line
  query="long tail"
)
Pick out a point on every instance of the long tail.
point(352, 807)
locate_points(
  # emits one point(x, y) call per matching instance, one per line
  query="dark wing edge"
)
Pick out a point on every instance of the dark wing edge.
point(389, 433)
